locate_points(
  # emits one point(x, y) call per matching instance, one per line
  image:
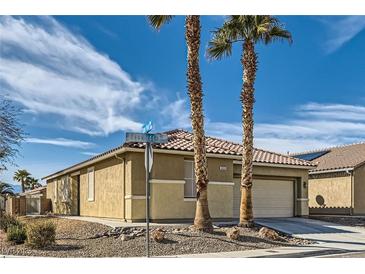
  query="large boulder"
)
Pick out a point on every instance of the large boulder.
point(268, 233)
point(158, 235)
point(233, 233)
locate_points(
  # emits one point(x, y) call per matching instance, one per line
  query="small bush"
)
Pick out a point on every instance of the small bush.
point(16, 234)
point(41, 234)
point(7, 220)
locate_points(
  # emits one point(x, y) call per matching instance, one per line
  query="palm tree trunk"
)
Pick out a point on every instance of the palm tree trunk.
point(23, 186)
point(249, 63)
point(202, 219)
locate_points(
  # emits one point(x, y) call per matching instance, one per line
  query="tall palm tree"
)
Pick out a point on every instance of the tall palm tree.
point(33, 183)
point(202, 219)
point(22, 176)
point(248, 30)
point(6, 189)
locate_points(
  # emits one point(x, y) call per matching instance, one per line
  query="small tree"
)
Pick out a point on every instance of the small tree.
point(11, 133)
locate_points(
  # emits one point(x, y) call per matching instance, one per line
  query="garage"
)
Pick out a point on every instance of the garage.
point(271, 198)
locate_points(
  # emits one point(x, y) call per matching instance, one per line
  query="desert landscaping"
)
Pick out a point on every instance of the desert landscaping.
point(85, 239)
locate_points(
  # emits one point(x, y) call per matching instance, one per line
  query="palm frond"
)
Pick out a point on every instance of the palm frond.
point(157, 21)
point(219, 48)
point(6, 188)
point(277, 33)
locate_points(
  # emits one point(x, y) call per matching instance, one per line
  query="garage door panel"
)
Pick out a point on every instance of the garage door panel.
point(271, 198)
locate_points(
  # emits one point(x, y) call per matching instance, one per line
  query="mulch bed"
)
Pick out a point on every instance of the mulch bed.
point(342, 220)
point(77, 239)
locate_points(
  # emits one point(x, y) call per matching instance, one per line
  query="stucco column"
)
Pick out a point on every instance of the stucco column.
point(302, 208)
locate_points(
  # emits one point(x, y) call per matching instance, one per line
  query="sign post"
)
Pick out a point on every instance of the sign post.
point(149, 139)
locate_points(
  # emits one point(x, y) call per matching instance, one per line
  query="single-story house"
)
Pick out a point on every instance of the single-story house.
point(337, 184)
point(32, 202)
point(112, 184)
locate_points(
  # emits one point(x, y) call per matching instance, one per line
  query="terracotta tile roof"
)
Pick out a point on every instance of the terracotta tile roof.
point(182, 140)
point(346, 156)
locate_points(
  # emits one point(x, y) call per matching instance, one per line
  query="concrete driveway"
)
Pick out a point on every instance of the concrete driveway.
point(329, 235)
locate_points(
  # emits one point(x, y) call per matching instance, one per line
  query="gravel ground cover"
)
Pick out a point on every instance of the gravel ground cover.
point(342, 220)
point(84, 239)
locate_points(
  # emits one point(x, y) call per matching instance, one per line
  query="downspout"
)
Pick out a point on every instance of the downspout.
point(351, 173)
point(123, 160)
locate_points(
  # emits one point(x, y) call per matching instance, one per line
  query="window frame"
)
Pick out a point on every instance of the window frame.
point(192, 179)
point(90, 170)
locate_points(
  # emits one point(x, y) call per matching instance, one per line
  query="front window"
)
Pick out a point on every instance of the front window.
point(189, 177)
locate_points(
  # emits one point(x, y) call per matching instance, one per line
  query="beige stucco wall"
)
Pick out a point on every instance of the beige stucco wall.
point(359, 190)
point(167, 188)
point(58, 204)
point(335, 192)
point(109, 190)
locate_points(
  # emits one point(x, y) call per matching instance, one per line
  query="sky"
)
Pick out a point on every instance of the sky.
point(83, 81)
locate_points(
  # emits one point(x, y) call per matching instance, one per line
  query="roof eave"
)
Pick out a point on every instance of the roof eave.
point(88, 162)
point(348, 169)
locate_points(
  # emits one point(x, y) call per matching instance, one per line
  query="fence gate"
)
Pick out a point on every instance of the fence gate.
point(33, 205)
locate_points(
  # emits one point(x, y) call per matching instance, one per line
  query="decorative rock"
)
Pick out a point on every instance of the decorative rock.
point(125, 237)
point(158, 235)
point(176, 231)
point(268, 233)
point(233, 233)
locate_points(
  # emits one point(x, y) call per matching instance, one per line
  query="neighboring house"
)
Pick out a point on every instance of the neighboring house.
point(32, 202)
point(337, 185)
point(112, 184)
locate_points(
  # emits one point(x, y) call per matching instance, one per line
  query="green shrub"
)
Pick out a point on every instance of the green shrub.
point(16, 234)
point(41, 234)
point(7, 220)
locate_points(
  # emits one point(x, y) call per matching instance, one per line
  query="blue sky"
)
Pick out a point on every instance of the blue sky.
point(83, 81)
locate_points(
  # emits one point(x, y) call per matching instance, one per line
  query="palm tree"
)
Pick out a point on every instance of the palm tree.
point(249, 30)
point(22, 176)
point(6, 189)
point(202, 219)
point(33, 183)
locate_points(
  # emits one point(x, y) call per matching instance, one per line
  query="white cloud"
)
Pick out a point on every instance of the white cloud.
point(61, 142)
point(342, 29)
point(88, 153)
point(313, 126)
point(50, 70)
point(176, 114)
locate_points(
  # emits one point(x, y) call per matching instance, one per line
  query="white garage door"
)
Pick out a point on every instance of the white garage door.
point(271, 198)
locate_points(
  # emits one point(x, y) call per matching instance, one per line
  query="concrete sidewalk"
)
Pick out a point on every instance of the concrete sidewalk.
point(312, 251)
